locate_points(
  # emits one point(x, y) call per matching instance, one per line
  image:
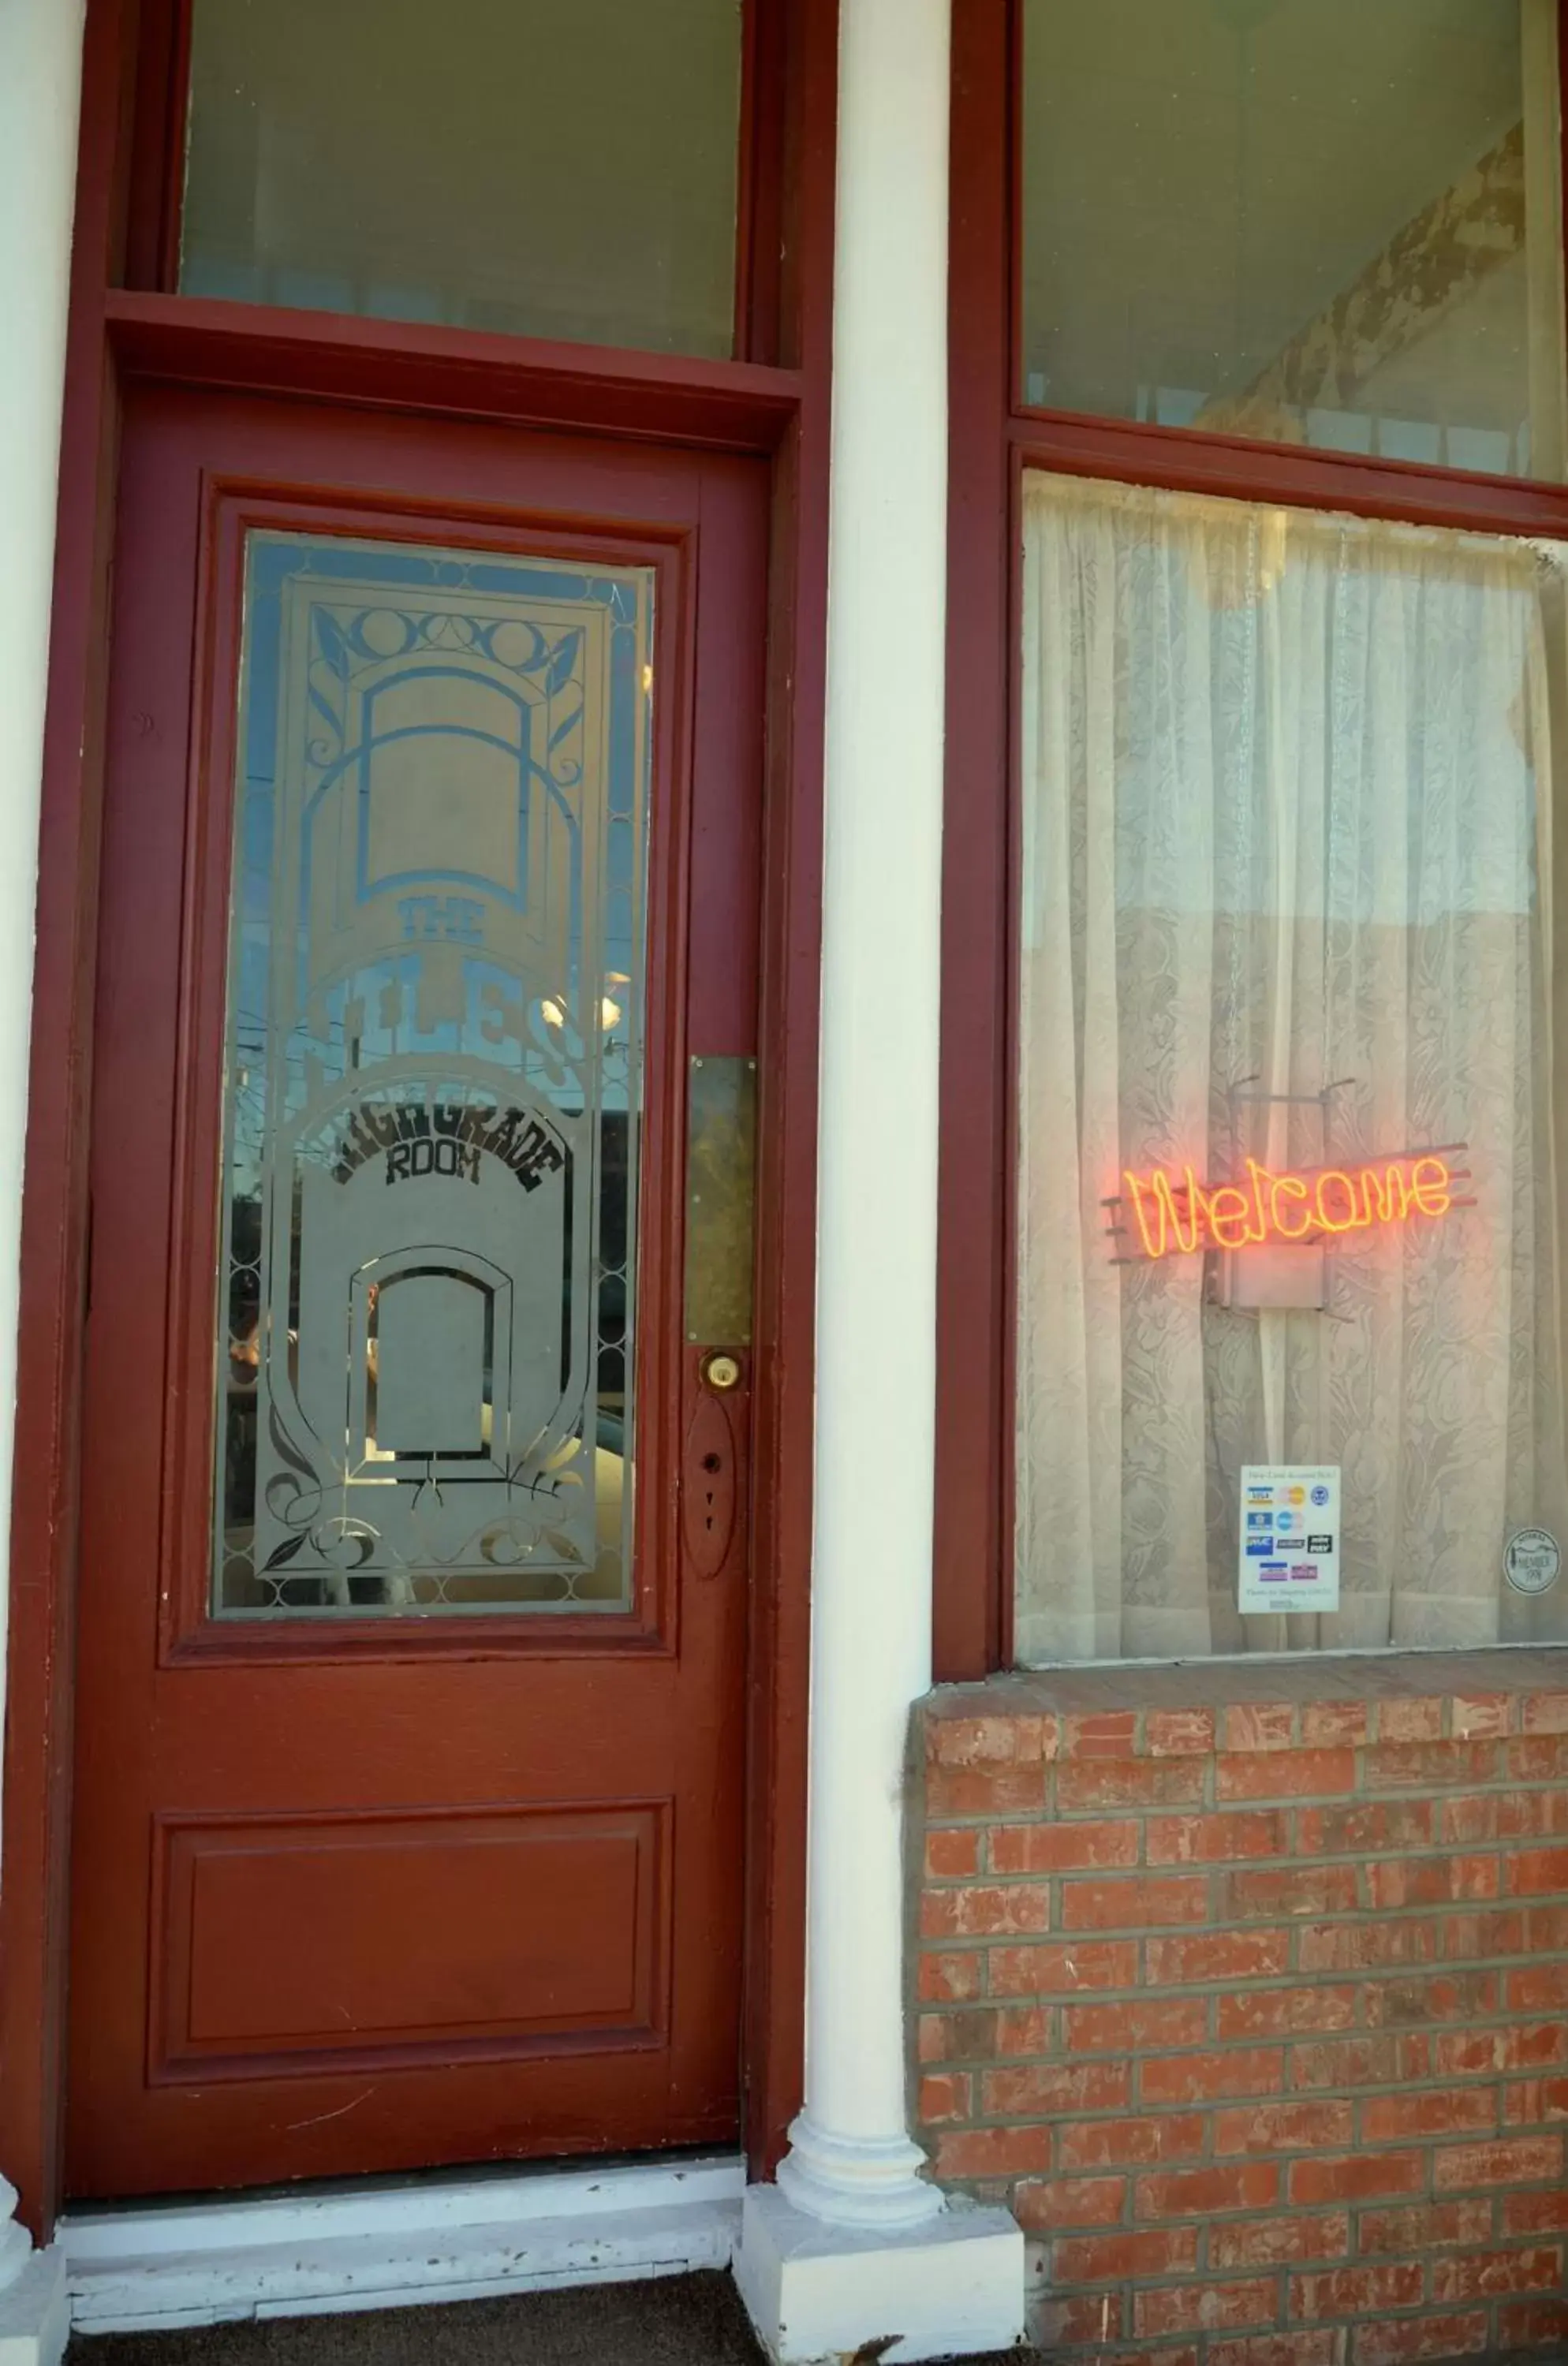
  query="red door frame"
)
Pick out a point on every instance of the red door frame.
point(994, 439)
point(776, 405)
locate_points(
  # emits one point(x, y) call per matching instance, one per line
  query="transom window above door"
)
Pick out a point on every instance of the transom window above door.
point(567, 169)
point(1306, 222)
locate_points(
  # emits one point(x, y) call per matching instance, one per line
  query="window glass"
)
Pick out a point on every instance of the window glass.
point(1292, 1139)
point(1312, 221)
point(549, 168)
point(433, 1115)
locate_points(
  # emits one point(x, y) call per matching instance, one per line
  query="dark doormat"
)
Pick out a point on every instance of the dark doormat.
point(674, 2321)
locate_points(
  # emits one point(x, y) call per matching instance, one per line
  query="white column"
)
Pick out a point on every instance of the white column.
point(850, 2159)
point(41, 73)
point(854, 2245)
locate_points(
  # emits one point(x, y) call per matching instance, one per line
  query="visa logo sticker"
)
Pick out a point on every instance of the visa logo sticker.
point(1272, 1568)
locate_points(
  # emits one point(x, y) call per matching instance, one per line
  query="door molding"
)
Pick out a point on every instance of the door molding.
point(781, 411)
point(232, 508)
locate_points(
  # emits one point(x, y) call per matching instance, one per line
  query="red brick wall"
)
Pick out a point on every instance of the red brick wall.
point(1256, 2015)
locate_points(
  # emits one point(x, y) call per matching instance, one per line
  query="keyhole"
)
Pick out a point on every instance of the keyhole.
point(711, 1462)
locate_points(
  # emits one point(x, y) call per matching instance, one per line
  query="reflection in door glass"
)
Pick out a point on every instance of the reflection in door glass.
point(433, 1085)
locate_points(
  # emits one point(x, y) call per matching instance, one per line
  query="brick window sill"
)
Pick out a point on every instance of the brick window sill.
point(1194, 1708)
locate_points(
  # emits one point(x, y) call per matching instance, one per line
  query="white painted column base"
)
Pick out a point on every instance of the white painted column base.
point(856, 2181)
point(35, 2312)
point(949, 2287)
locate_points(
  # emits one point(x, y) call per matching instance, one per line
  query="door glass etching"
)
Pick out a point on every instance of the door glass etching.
point(433, 1084)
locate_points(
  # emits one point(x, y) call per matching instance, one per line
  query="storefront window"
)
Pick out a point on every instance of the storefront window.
point(1292, 1138)
point(546, 168)
point(1309, 221)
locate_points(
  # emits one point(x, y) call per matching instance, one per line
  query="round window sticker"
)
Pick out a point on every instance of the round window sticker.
point(1532, 1560)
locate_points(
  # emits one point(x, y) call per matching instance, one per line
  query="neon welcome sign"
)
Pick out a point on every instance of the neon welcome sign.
point(1175, 1215)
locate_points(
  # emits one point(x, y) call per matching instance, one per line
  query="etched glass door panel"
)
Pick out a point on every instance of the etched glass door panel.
point(433, 1087)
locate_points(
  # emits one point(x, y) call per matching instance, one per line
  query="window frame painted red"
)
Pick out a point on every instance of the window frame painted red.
point(774, 401)
point(994, 440)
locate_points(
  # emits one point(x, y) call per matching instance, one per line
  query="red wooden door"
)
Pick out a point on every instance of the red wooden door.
point(408, 1749)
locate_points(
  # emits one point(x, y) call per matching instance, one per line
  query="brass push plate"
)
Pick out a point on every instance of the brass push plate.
point(721, 1180)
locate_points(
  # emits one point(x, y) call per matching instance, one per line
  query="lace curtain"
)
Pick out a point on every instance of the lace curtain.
point(1287, 892)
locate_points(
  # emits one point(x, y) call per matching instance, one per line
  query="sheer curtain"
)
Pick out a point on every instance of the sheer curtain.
point(1286, 790)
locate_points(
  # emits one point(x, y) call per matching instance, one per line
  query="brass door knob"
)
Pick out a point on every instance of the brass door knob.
point(720, 1372)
